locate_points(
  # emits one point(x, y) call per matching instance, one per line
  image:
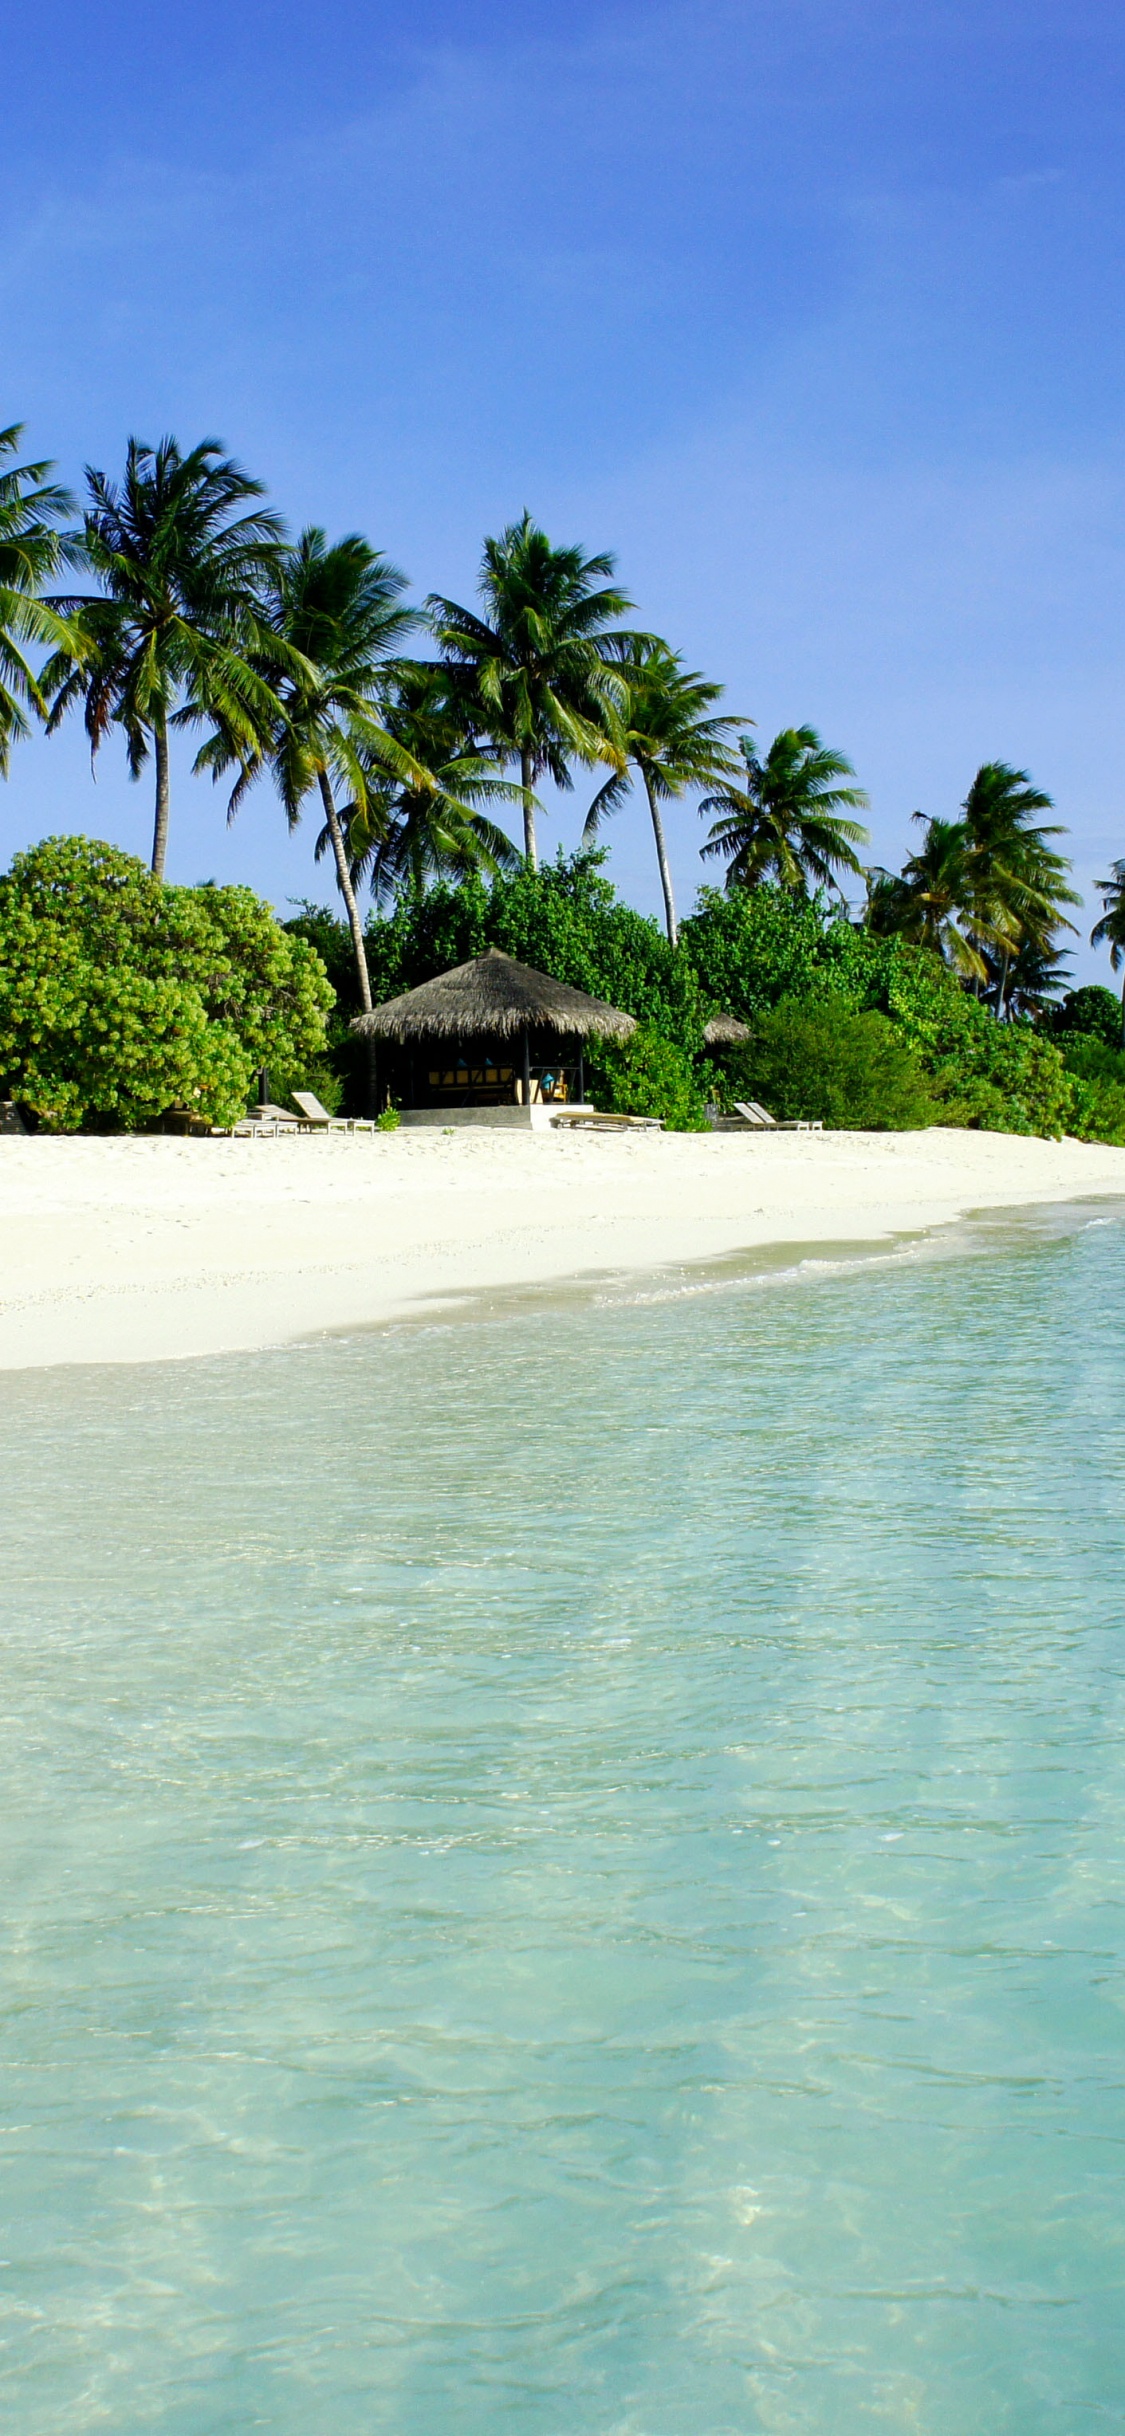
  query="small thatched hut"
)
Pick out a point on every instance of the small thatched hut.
point(723, 1031)
point(492, 1033)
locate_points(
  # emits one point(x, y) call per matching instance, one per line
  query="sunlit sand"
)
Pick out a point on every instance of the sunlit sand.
point(131, 1249)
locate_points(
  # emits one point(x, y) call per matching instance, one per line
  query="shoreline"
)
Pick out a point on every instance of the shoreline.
point(125, 1249)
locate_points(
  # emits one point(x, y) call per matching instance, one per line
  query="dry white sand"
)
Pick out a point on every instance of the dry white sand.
point(128, 1250)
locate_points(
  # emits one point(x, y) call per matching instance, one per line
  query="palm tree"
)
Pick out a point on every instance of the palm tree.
point(30, 551)
point(170, 639)
point(1109, 931)
point(924, 903)
point(788, 819)
point(401, 834)
point(334, 616)
point(664, 730)
point(1032, 978)
point(535, 672)
point(1015, 883)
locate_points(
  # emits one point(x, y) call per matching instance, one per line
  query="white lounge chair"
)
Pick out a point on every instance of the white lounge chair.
point(603, 1120)
point(754, 1114)
point(265, 1121)
point(314, 1117)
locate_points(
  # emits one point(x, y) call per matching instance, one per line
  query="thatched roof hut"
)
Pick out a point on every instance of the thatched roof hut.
point(492, 998)
point(724, 1031)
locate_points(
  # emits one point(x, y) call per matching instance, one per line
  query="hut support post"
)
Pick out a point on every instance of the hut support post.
point(581, 1078)
point(526, 1068)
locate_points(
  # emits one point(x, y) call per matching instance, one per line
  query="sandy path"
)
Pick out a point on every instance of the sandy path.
point(134, 1250)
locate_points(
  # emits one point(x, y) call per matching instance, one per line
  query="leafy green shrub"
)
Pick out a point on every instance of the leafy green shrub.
point(810, 1057)
point(1097, 1081)
point(566, 919)
point(388, 1121)
point(314, 1074)
point(1000, 1077)
point(647, 1075)
point(756, 947)
point(745, 951)
point(120, 997)
point(753, 947)
point(1092, 1009)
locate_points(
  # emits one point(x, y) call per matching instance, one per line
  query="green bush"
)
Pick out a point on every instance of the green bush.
point(647, 1075)
point(819, 1058)
point(566, 919)
point(1097, 1081)
point(388, 1121)
point(1092, 1009)
point(745, 952)
point(120, 997)
point(753, 948)
point(1000, 1077)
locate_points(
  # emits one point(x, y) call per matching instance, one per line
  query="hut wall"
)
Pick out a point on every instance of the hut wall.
point(478, 1073)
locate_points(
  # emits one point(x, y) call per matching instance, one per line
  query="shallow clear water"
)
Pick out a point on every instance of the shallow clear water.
point(565, 1872)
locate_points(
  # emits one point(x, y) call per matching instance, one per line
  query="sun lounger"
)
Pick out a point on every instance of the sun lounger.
point(265, 1119)
point(602, 1119)
point(313, 1116)
point(752, 1113)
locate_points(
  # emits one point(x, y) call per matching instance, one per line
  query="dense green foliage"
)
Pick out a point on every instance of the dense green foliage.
point(743, 951)
point(565, 919)
point(756, 947)
point(820, 1058)
point(120, 998)
point(647, 1075)
point(1091, 1009)
point(1097, 1082)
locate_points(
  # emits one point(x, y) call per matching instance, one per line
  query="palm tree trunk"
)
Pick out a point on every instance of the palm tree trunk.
point(1003, 991)
point(662, 859)
point(160, 826)
point(347, 891)
point(531, 853)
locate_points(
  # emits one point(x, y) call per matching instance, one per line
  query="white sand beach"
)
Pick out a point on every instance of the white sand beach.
point(130, 1249)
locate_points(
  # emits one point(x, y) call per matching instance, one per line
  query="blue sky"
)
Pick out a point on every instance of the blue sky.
point(812, 313)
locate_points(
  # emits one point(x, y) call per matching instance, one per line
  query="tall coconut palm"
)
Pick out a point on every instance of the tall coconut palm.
point(181, 553)
point(333, 617)
point(535, 668)
point(1109, 930)
point(1016, 883)
point(924, 902)
point(401, 834)
point(31, 508)
point(664, 731)
point(787, 818)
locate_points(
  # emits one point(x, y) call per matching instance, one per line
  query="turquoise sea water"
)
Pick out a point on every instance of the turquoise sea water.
point(564, 1872)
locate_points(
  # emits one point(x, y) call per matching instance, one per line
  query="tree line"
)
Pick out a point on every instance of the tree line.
point(190, 608)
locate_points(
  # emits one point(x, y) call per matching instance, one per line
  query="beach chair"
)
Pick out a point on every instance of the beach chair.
point(754, 1114)
point(313, 1117)
point(265, 1122)
point(603, 1120)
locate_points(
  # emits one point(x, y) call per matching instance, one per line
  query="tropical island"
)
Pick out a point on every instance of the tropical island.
point(820, 987)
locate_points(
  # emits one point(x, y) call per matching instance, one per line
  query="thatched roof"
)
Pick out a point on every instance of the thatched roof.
point(724, 1028)
point(492, 998)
